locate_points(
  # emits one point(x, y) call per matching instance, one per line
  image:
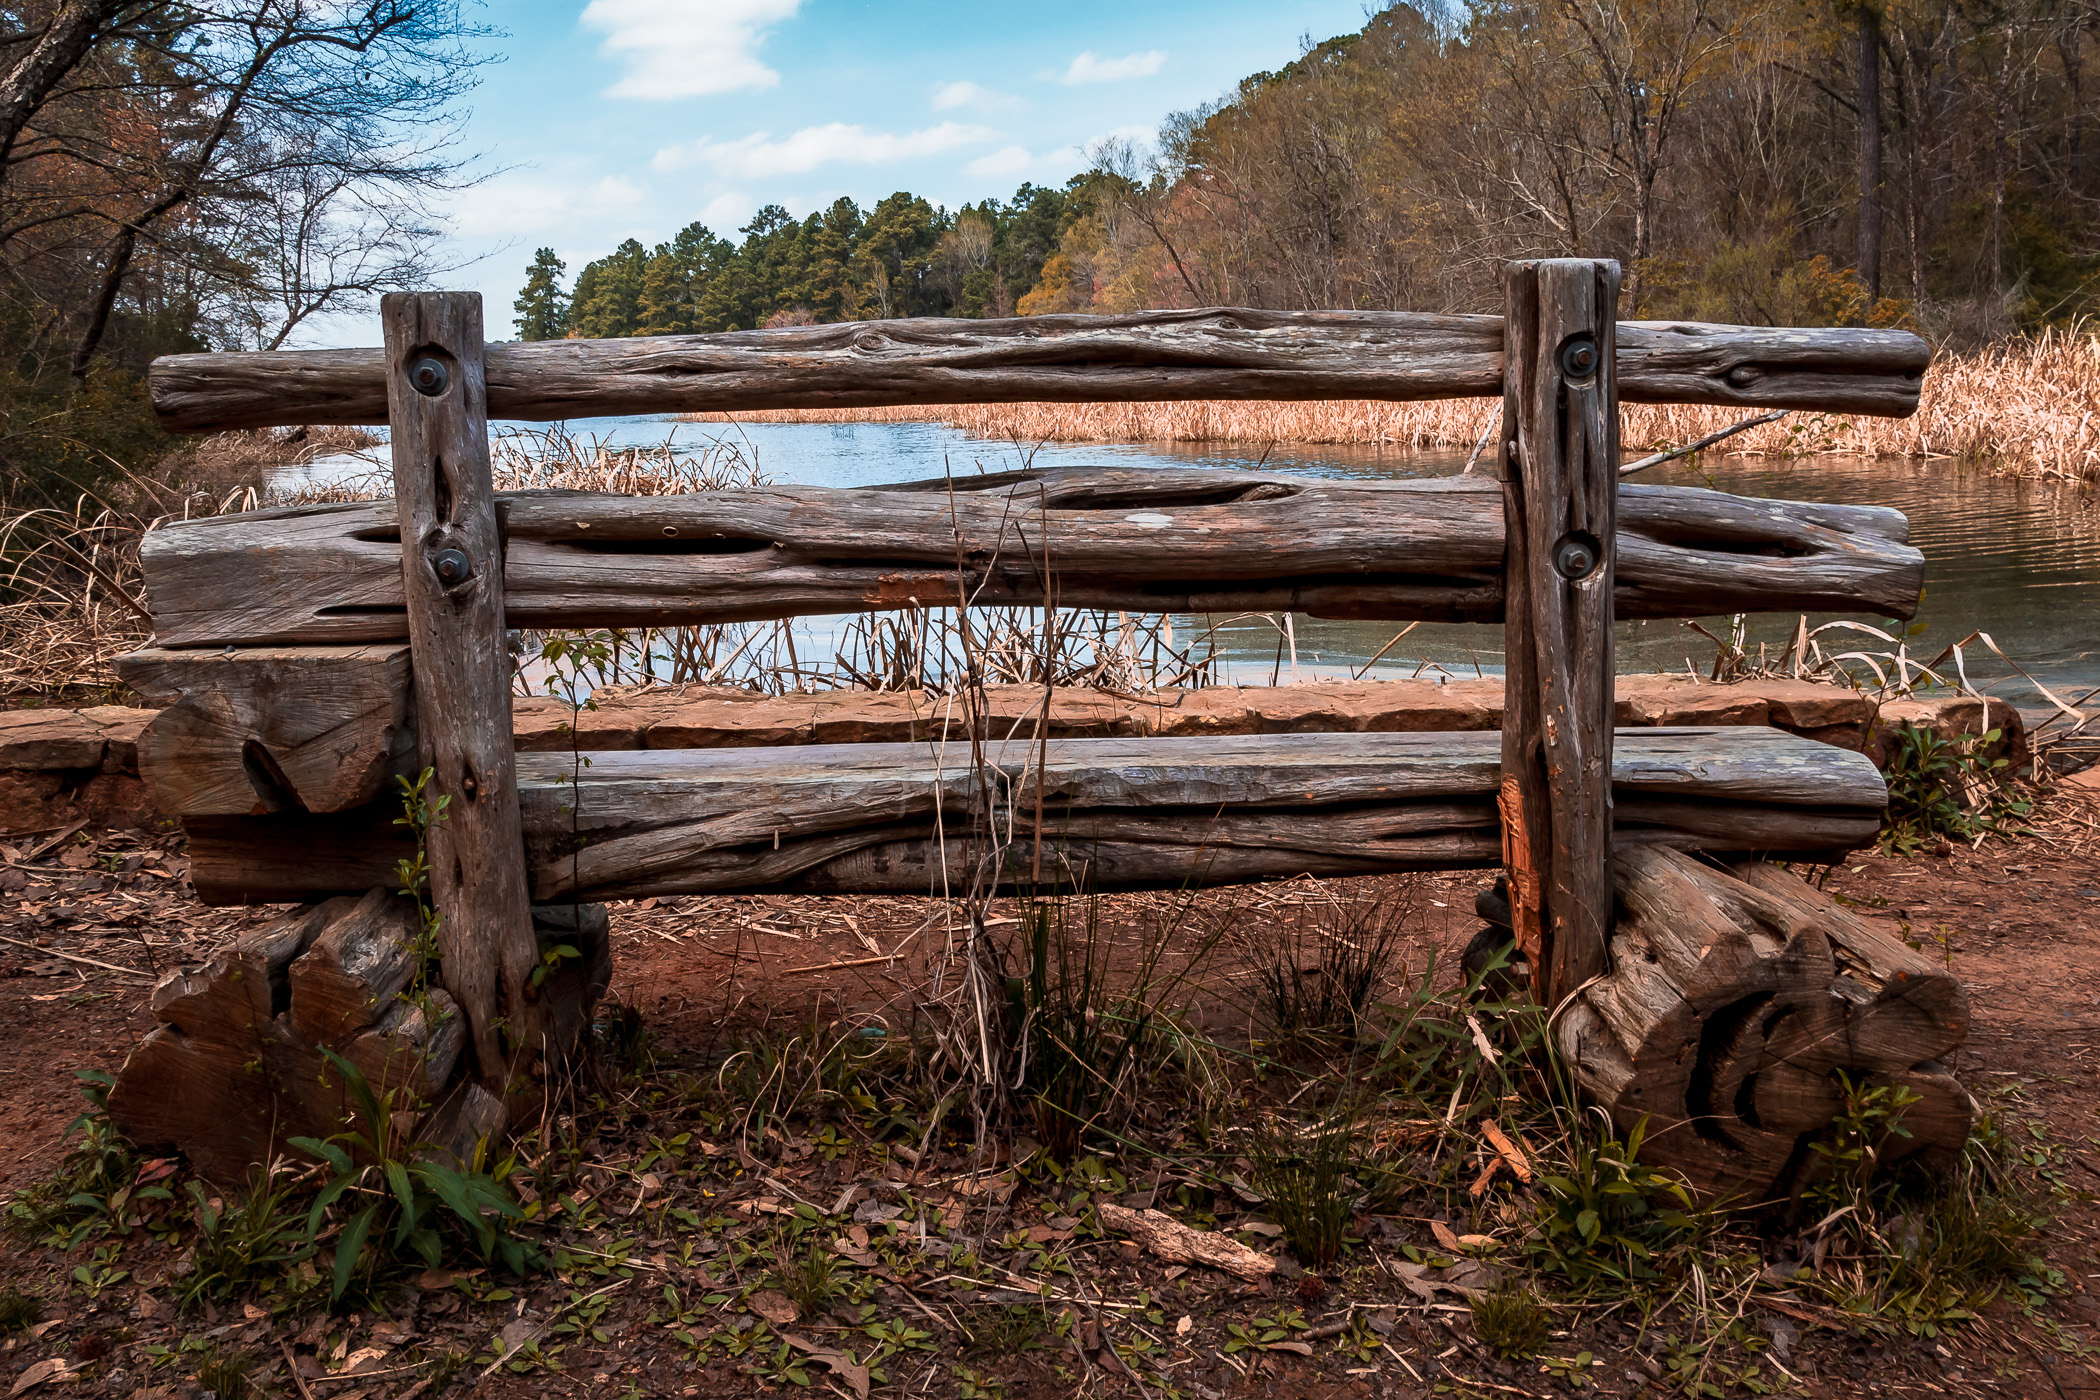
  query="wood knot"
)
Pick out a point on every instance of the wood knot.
point(1743, 376)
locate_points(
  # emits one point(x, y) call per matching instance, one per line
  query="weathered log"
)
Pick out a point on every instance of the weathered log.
point(1149, 541)
point(237, 1067)
point(1734, 1003)
point(452, 580)
point(1560, 488)
point(319, 729)
point(1133, 811)
point(1206, 353)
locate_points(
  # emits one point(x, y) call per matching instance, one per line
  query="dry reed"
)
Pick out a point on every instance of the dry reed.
point(2029, 407)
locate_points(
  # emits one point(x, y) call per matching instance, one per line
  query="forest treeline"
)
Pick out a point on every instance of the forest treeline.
point(201, 174)
point(1925, 162)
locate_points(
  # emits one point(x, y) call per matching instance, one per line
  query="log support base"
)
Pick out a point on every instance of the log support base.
point(1736, 1006)
point(237, 1066)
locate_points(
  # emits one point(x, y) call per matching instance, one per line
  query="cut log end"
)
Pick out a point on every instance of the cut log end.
point(1738, 1008)
point(239, 1064)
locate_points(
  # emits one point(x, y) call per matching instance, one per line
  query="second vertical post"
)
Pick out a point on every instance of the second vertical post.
point(1560, 453)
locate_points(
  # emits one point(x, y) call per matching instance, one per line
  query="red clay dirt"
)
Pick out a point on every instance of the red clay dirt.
point(2019, 920)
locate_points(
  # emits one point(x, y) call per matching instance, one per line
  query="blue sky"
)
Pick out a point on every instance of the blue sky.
point(611, 119)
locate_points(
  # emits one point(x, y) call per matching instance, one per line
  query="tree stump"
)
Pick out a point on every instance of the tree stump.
point(236, 1067)
point(1733, 1004)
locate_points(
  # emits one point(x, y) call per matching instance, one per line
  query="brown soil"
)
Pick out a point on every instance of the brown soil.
point(2019, 920)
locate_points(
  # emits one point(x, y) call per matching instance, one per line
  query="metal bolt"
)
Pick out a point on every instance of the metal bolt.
point(1578, 358)
point(1574, 558)
point(453, 567)
point(429, 376)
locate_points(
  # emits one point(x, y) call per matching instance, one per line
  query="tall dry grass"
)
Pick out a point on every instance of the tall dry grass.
point(2029, 407)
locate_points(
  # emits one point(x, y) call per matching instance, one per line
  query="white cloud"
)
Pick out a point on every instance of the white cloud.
point(1088, 68)
point(728, 212)
point(687, 48)
point(524, 204)
point(1009, 161)
point(969, 94)
point(758, 156)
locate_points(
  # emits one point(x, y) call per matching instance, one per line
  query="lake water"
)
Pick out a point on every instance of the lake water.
point(2017, 559)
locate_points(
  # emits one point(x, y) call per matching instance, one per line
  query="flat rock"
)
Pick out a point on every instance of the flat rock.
point(707, 717)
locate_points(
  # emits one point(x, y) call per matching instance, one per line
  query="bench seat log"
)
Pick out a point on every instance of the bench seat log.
point(1206, 353)
point(1135, 812)
point(1142, 541)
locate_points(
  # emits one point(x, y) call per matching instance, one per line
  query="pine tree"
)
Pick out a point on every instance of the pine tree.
point(609, 292)
point(543, 307)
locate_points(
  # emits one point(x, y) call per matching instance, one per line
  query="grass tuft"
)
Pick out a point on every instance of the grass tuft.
point(1512, 1322)
point(18, 1309)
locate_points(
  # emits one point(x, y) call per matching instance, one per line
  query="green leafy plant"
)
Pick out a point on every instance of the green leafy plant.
point(1920, 1251)
point(100, 1272)
point(97, 1189)
point(1603, 1216)
point(393, 1199)
point(244, 1244)
point(421, 811)
point(1940, 790)
point(1849, 1152)
point(804, 1270)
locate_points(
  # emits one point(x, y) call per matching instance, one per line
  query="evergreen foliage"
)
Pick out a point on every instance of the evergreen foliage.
point(904, 257)
point(542, 307)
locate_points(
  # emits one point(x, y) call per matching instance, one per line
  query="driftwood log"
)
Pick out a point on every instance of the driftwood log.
point(1734, 1002)
point(1144, 541)
point(1123, 812)
point(236, 1066)
point(1206, 353)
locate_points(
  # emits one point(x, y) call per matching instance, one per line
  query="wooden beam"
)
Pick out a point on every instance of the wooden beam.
point(1146, 540)
point(1136, 812)
point(452, 575)
point(270, 729)
point(1560, 453)
point(1208, 353)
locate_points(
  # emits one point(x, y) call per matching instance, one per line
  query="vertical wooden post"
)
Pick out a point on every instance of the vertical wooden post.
point(1560, 453)
point(452, 565)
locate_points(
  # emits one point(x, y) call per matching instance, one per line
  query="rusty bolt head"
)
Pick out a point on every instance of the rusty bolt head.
point(1578, 358)
point(453, 567)
point(429, 376)
point(1574, 558)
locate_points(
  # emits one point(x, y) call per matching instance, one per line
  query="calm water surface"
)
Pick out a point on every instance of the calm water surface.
point(2018, 560)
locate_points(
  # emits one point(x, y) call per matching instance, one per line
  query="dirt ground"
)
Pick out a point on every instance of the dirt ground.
point(90, 919)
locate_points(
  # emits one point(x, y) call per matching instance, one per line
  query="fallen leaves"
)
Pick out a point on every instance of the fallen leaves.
point(837, 1362)
point(56, 1368)
point(775, 1307)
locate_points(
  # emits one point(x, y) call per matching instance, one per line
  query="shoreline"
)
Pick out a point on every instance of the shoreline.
point(2024, 408)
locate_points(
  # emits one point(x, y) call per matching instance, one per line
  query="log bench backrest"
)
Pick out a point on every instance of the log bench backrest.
point(1556, 549)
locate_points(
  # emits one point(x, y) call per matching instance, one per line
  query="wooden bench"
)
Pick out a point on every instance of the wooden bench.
point(321, 651)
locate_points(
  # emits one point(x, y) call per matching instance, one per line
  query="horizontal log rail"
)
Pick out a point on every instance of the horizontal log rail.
point(1134, 812)
point(1163, 540)
point(1208, 353)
